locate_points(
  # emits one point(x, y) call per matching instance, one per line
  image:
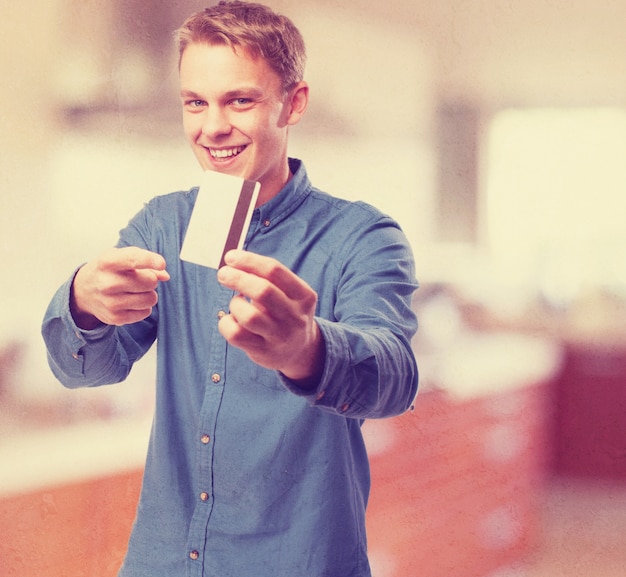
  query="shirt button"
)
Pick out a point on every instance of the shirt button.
point(216, 378)
point(320, 395)
point(345, 407)
point(267, 222)
point(205, 439)
point(221, 315)
point(194, 555)
point(204, 496)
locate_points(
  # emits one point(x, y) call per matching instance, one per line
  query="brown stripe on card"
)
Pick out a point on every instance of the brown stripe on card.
point(239, 218)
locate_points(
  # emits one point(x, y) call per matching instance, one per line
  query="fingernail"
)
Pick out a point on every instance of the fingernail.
point(222, 274)
point(231, 256)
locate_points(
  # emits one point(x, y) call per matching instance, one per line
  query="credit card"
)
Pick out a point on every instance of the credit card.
point(220, 218)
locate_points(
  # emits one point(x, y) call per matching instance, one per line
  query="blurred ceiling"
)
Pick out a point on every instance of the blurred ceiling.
point(516, 52)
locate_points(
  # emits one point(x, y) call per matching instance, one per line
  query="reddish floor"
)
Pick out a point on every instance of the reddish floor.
point(458, 490)
point(583, 531)
point(78, 530)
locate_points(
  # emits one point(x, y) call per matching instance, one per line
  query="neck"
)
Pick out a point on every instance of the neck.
point(270, 190)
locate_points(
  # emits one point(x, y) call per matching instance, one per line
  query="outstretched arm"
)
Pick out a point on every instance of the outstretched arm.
point(117, 288)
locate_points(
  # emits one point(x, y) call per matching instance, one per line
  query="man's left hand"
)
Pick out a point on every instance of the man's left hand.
point(272, 316)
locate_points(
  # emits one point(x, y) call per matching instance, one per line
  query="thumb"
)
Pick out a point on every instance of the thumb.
point(161, 275)
point(135, 258)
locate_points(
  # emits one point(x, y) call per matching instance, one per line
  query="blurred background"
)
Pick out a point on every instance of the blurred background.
point(493, 131)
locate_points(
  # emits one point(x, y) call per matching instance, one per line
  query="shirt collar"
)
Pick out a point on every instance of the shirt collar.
point(286, 201)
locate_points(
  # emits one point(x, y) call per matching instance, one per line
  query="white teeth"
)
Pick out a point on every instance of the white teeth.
point(226, 152)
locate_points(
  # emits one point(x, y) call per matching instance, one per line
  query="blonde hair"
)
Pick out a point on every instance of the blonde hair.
point(254, 27)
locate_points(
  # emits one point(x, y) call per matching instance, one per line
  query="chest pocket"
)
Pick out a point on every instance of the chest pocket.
point(245, 373)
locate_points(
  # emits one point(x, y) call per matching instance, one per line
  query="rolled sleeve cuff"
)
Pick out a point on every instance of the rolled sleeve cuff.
point(65, 340)
point(331, 393)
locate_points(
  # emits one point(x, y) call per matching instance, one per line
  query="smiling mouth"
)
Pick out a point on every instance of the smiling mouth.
point(226, 153)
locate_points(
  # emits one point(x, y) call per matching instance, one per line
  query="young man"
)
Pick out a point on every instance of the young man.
point(266, 369)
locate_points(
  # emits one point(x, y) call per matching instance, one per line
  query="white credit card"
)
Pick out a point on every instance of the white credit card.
point(220, 218)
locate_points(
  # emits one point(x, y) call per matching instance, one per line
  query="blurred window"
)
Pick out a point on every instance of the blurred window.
point(555, 202)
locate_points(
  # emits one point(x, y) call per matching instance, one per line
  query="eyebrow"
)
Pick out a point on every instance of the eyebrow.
point(247, 91)
point(189, 94)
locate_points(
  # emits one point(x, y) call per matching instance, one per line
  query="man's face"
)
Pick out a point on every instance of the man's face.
point(235, 115)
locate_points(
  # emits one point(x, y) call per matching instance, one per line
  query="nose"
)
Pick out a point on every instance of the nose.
point(215, 122)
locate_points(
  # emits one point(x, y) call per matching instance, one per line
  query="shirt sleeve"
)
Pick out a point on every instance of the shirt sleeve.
point(370, 369)
point(105, 355)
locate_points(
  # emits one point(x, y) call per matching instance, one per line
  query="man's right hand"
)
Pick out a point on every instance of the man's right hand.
point(118, 288)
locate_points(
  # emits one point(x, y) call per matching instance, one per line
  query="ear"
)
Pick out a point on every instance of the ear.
point(297, 102)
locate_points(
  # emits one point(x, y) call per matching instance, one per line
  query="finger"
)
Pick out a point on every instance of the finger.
point(265, 297)
point(133, 269)
point(147, 279)
point(126, 308)
point(238, 336)
point(161, 275)
point(250, 317)
point(270, 269)
point(125, 317)
point(135, 301)
point(128, 282)
point(133, 258)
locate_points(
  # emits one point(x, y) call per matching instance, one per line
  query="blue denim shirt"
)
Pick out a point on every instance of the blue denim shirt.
point(246, 474)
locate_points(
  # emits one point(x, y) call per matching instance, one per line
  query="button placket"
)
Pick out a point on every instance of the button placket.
point(214, 388)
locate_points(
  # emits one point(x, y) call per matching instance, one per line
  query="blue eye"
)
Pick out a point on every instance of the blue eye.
point(242, 102)
point(194, 103)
